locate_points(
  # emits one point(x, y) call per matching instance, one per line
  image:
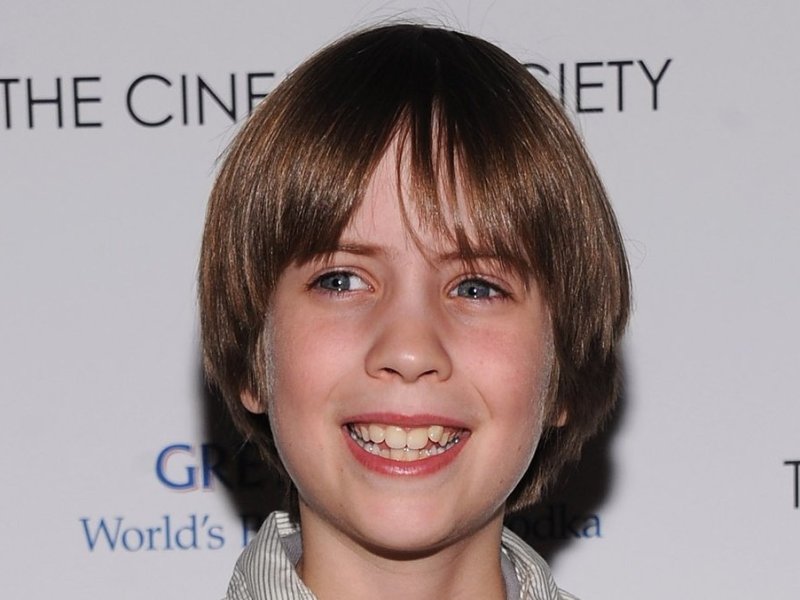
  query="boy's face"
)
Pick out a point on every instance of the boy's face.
point(408, 389)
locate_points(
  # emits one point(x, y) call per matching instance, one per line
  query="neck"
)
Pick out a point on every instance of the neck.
point(337, 566)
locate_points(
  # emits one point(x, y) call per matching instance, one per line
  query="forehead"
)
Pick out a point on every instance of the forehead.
point(395, 210)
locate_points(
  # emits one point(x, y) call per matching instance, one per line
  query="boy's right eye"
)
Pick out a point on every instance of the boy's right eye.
point(340, 281)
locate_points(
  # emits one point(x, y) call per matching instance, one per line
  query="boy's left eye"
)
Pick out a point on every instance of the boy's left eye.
point(476, 288)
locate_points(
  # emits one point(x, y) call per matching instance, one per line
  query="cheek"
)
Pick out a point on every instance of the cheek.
point(310, 358)
point(522, 406)
point(297, 397)
point(306, 353)
point(520, 360)
point(512, 373)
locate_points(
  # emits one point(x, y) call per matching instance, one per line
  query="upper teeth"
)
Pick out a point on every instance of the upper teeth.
point(396, 438)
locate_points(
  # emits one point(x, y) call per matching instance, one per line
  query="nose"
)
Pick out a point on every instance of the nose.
point(409, 347)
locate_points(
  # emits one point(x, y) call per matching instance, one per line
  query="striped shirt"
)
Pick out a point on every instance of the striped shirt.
point(265, 570)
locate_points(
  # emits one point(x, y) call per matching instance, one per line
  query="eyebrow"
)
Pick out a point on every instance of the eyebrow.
point(458, 256)
point(443, 257)
point(360, 249)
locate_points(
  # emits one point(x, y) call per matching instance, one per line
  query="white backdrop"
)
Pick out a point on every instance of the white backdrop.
point(693, 492)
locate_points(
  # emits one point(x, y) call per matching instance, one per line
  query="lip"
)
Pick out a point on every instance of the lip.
point(417, 468)
point(417, 420)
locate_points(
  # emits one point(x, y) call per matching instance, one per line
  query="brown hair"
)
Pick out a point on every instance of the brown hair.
point(467, 112)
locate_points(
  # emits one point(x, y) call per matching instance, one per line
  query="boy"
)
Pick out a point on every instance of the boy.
point(412, 289)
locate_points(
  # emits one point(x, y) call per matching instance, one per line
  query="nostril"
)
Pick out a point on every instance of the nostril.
point(390, 371)
point(406, 374)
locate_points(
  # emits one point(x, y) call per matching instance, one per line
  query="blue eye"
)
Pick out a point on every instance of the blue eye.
point(340, 281)
point(477, 289)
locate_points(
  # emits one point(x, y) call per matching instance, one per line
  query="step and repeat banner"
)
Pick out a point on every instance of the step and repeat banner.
point(122, 478)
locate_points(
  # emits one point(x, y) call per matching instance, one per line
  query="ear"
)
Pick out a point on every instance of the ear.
point(251, 402)
point(561, 418)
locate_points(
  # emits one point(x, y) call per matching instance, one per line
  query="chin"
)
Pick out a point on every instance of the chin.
point(407, 541)
point(411, 530)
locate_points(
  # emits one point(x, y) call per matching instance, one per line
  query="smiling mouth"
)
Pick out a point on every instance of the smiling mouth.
point(404, 444)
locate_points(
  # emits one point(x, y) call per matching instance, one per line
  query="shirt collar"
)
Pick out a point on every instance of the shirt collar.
point(266, 568)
